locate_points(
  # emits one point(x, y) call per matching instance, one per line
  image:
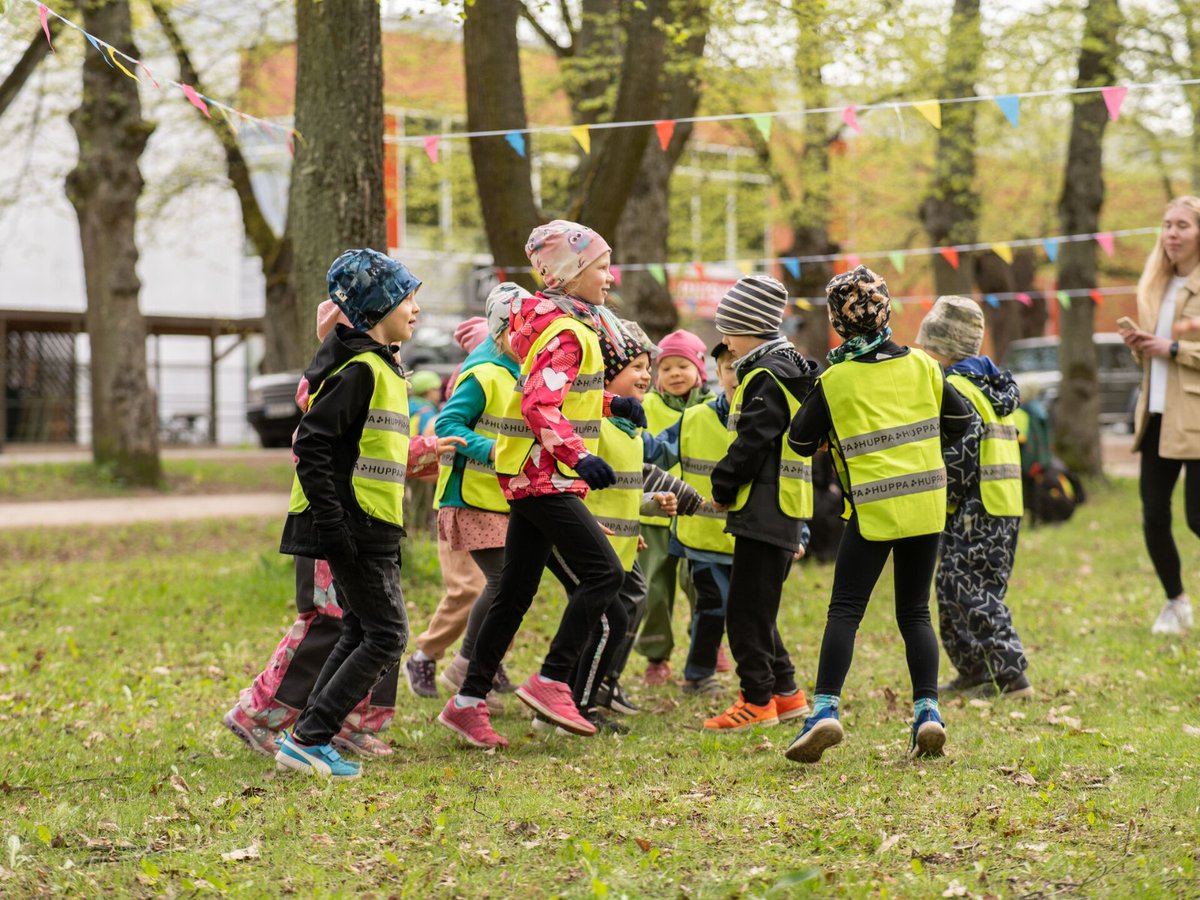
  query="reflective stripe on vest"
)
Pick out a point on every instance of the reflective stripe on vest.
point(1000, 486)
point(659, 417)
point(886, 442)
point(378, 475)
point(583, 408)
point(703, 442)
point(479, 486)
point(616, 507)
point(794, 491)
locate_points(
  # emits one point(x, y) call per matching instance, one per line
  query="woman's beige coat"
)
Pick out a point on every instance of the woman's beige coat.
point(1180, 437)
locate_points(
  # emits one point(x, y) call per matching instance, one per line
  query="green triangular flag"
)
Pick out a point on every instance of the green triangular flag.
point(763, 123)
point(1065, 299)
point(657, 272)
point(897, 261)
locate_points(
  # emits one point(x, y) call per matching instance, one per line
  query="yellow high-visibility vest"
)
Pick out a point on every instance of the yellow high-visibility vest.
point(659, 417)
point(583, 407)
point(703, 442)
point(616, 507)
point(886, 443)
point(999, 454)
point(794, 491)
point(479, 486)
point(378, 476)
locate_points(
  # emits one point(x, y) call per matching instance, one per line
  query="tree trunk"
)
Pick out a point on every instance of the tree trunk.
point(1077, 411)
point(1010, 320)
point(644, 227)
point(496, 101)
point(950, 212)
point(336, 201)
point(104, 188)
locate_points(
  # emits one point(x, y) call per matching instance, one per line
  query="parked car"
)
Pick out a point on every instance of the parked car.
point(1034, 364)
point(271, 407)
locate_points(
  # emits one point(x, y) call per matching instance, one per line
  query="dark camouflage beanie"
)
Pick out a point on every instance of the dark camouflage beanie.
point(859, 303)
point(953, 328)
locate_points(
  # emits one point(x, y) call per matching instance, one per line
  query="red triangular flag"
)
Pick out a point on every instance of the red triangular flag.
point(190, 93)
point(291, 143)
point(665, 129)
point(1113, 98)
point(850, 117)
point(950, 254)
point(699, 269)
point(926, 304)
point(1105, 240)
point(1096, 296)
point(42, 14)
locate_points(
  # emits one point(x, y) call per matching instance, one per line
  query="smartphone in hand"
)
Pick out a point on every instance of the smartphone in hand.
point(1127, 324)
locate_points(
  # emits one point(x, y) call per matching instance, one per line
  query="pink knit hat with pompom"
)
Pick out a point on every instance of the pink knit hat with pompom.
point(687, 346)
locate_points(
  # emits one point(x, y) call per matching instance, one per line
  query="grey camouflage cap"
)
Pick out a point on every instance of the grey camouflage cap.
point(952, 328)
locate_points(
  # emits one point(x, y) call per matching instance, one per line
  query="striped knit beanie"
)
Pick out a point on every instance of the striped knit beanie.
point(754, 306)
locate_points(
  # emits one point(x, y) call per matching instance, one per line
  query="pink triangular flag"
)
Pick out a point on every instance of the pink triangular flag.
point(431, 148)
point(1113, 98)
point(190, 93)
point(853, 261)
point(665, 129)
point(291, 144)
point(1105, 240)
point(153, 80)
point(43, 14)
point(1025, 299)
point(616, 274)
point(850, 117)
point(950, 254)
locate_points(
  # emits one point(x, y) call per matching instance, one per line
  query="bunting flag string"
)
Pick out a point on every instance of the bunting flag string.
point(203, 103)
point(993, 300)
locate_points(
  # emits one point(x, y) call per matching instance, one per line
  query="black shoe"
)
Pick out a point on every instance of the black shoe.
point(605, 725)
point(966, 684)
point(613, 697)
point(1017, 688)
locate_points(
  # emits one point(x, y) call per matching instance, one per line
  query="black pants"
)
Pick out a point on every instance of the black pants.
point(763, 665)
point(374, 635)
point(708, 618)
point(491, 564)
point(607, 648)
point(855, 574)
point(1156, 484)
point(536, 525)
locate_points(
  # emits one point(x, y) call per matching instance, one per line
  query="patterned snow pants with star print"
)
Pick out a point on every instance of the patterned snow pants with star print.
point(977, 553)
point(281, 690)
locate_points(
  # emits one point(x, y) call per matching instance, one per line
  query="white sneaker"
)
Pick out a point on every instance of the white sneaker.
point(1175, 618)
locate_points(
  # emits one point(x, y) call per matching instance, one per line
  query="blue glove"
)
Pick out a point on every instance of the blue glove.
point(596, 472)
point(629, 408)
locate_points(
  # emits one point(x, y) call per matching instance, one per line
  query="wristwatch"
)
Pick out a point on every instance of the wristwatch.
point(1174, 349)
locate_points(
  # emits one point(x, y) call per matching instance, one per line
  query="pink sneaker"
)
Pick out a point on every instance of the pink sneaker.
point(657, 673)
point(257, 737)
point(361, 743)
point(472, 724)
point(723, 663)
point(553, 700)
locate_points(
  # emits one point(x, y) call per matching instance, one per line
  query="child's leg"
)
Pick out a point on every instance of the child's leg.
point(972, 579)
point(754, 590)
point(374, 634)
point(633, 596)
point(659, 568)
point(913, 561)
point(857, 569)
point(708, 620)
point(526, 549)
point(491, 563)
point(597, 654)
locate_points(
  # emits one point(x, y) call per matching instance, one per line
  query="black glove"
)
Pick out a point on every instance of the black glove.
point(629, 408)
point(596, 472)
point(336, 542)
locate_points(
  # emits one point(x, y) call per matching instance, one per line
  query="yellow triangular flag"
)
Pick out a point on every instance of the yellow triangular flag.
point(1003, 251)
point(803, 304)
point(117, 62)
point(745, 267)
point(584, 139)
point(931, 110)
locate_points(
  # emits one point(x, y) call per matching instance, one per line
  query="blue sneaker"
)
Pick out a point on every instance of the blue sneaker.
point(822, 730)
point(322, 760)
point(928, 735)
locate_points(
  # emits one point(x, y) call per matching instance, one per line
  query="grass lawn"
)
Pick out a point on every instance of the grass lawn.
point(34, 482)
point(121, 648)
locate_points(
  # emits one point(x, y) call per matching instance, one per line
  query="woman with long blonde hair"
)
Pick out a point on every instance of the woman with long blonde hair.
point(1168, 414)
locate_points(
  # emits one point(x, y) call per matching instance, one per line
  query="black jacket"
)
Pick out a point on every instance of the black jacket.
point(811, 428)
point(326, 448)
point(753, 457)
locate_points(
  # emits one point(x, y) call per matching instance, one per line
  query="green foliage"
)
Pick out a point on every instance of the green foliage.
point(70, 481)
point(117, 777)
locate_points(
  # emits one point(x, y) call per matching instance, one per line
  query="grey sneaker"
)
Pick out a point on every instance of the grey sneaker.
point(705, 687)
point(1175, 618)
point(420, 674)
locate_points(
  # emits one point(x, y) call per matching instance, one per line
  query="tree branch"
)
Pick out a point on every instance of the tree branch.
point(266, 242)
point(559, 50)
point(29, 61)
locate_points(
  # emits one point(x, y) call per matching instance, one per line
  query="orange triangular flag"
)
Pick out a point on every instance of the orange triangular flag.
point(665, 129)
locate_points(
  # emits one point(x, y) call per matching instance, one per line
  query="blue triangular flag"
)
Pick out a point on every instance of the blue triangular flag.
point(793, 267)
point(516, 140)
point(992, 300)
point(1010, 105)
point(1051, 248)
point(99, 49)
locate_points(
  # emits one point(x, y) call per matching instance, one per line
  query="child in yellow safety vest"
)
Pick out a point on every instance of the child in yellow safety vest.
point(984, 498)
point(681, 382)
point(886, 412)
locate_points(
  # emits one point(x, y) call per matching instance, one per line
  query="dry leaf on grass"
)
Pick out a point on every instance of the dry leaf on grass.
point(241, 853)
